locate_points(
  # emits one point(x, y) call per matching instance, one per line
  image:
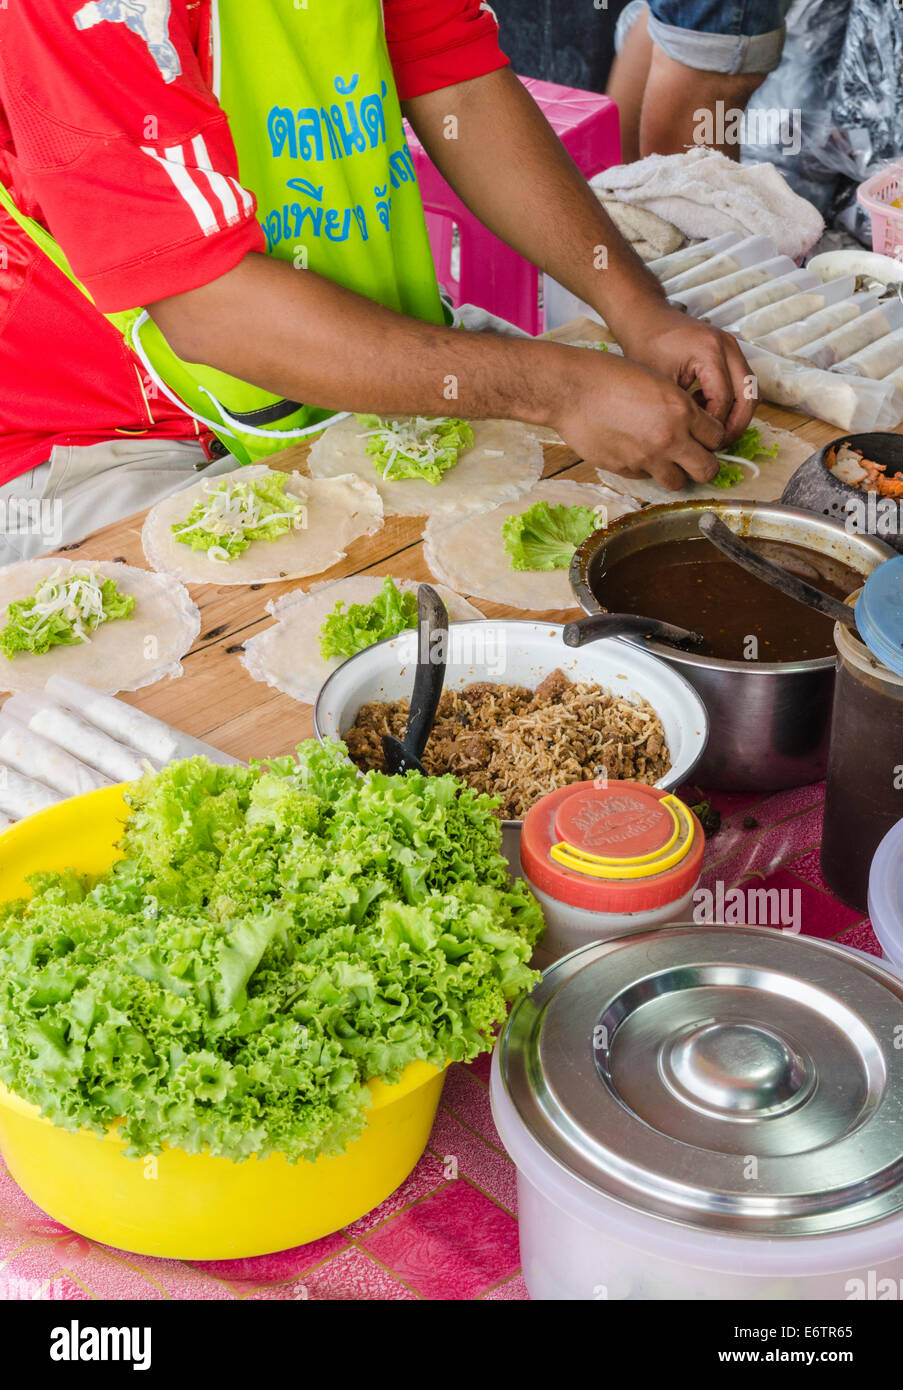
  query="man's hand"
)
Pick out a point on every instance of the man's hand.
point(661, 337)
point(634, 421)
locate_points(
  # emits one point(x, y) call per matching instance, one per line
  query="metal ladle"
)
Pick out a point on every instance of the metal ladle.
point(730, 544)
point(595, 626)
point(429, 678)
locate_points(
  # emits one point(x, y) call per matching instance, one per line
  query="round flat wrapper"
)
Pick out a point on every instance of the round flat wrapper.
point(287, 656)
point(123, 654)
point(504, 460)
point(765, 486)
point(469, 554)
point(339, 510)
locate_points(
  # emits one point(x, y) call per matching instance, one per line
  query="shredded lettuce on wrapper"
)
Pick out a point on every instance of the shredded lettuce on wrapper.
point(64, 610)
point(421, 447)
point(346, 631)
point(230, 516)
point(747, 448)
point(273, 938)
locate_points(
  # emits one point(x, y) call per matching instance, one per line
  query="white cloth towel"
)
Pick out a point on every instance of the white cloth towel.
point(704, 194)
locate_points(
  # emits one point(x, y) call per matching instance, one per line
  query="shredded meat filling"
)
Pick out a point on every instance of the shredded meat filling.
point(518, 744)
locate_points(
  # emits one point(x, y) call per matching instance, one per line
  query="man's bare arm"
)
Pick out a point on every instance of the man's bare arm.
point(301, 336)
point(506, 163)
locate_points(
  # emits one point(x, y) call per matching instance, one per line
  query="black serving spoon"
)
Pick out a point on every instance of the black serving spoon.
point(714, 530)
point(597, 625)
point(429, 678)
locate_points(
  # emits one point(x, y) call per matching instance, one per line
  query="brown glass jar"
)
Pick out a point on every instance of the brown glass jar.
point(865, 768)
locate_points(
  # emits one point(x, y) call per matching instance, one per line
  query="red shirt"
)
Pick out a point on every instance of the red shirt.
point(81, 153)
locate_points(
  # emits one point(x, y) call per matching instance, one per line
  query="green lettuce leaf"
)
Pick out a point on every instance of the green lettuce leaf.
point(419, 447)
point(346, 631)
point(233, 514)
point(273, 938)
point(545, 537)
point(81, 602)
point(748, 446)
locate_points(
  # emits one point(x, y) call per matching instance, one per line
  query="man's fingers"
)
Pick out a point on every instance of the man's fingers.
point(700, 463)
point(715, 380)
point(668, 475)
point(742, 380)
point(704, 428)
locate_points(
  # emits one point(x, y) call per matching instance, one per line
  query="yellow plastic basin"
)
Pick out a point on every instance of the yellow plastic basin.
point(181, 1205)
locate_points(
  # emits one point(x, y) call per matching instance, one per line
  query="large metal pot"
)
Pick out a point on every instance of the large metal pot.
point(769, 721)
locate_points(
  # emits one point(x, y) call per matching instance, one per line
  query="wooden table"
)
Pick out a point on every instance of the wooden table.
point(217, 700)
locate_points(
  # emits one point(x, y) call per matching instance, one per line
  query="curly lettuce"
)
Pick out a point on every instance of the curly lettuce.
point(272, 939)
point(544, 537)
point(63, 611)
point(346, 631)
point(227, 518)
point(745, 449)
point(416, 447)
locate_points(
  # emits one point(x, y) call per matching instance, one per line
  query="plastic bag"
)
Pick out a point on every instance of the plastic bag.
point(842, 68)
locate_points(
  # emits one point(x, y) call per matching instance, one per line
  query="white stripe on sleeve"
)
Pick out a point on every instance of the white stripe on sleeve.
point(173, 161)
point(224, 188)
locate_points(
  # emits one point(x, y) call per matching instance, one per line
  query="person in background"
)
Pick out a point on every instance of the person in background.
point(678, 58)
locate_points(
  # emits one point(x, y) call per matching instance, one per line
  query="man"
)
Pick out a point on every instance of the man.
point(679, 57)
point(241, 172)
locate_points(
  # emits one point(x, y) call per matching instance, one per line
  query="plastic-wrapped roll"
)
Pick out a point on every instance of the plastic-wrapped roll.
point(35, 756)
point(66, 729)
point(5, 821)
point(20, 796)
point(130, 726)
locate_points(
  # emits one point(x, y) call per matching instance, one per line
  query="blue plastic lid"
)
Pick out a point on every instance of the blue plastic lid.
point(879, 614)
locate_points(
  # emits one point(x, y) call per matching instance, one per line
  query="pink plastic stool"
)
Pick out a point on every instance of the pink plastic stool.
point(491, 275)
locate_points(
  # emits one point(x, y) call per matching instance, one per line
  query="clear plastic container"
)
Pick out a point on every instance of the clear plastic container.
point(886, 894)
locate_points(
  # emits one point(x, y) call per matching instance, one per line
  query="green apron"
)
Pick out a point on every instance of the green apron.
point(307, 86)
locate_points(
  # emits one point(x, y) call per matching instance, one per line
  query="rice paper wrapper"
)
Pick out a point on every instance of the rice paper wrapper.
point(799, 306)
point(689, 257)
point(770, 292)
point(337, 511)
point(764, 485)
point(748, 251)
point(854, 404)
point(705, 298)
point(468, 553)
point(823, 338)
point(505, 460)
point(287, 656)
point(123, 654)
point(879, 359)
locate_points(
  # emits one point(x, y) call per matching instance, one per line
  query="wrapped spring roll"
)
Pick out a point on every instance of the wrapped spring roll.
point(20, 796)
point(818, 338)
point(852, 403)
point(748, 252)
point(878, 360)
point(705, 298)
point(771, 292)
point(5, 821)
point(689, 257)
point(130, 726)
point(756, 326)
point(35, 756)
point(65, 728)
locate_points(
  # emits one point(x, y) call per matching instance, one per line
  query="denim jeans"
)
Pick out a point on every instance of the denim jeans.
point(733, 36)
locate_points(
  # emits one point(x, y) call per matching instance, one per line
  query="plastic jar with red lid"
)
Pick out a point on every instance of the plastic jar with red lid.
point(605, 859)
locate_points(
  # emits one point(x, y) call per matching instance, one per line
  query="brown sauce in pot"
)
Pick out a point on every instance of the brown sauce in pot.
point(690, 583)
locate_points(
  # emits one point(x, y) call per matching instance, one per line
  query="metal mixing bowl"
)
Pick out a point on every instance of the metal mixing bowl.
point(768, 721)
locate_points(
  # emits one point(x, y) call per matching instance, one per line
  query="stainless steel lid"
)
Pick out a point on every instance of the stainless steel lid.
point(731, 1078)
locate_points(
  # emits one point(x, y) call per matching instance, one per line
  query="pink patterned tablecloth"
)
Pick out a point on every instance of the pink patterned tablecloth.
point(450, 1231)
